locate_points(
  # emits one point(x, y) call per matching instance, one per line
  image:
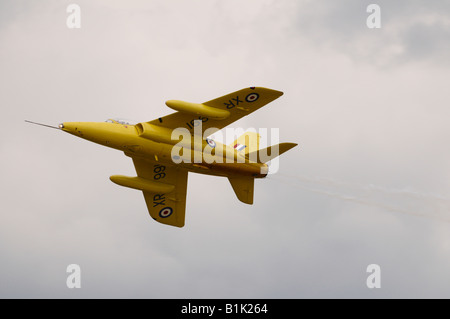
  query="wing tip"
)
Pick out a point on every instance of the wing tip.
point(271, 91)
point(174, 224)
point(274, 94)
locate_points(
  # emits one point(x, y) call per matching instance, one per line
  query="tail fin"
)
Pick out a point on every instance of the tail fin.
point(243, 188)
point(247, 142)
point(269, 153)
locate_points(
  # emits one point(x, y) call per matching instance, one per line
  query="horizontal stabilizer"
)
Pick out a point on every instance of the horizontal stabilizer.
point(269, 153)
point(243, 188)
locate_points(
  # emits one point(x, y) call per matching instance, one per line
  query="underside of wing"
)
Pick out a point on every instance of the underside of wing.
point(166, 205)
point(235, 105)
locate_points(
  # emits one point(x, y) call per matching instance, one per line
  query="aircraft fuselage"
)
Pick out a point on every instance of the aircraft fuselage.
point(196, 156)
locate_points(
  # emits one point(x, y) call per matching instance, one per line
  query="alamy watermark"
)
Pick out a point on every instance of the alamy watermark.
point(374, 279)
point(374, 19)
point(198, 148)
point(73, 20)
point(74, 279)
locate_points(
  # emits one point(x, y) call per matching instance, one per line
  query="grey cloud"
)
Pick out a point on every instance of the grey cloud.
point(360, 119)
point(411, 31)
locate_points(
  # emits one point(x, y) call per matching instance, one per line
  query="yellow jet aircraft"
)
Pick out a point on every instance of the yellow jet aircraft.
point(166, 149)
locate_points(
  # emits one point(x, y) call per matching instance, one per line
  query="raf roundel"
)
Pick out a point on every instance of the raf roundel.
point(252, 97)
point(165, 212)
point(211, 142)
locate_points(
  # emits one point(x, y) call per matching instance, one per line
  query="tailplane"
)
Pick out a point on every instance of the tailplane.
point(243, 188)
point(248, 144)
point(269, 153)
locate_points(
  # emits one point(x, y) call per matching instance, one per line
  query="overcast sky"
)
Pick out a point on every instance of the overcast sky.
point(368, 184)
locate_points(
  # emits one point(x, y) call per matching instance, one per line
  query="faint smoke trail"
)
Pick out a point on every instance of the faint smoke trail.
point(402, 201)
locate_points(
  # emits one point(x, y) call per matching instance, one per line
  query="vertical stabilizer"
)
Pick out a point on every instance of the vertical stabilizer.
point(247, 142)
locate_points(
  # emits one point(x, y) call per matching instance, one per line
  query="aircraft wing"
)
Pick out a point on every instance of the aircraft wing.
point(238, 104)
point(167, 208)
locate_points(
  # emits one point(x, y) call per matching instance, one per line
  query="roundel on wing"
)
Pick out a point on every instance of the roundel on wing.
point(211, 142)
point(252, 97)
point(165, 212)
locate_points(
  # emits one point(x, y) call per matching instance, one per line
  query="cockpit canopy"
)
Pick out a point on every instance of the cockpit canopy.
point(121, 121)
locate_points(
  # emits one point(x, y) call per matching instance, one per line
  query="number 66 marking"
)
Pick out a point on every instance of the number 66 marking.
point(158, 170)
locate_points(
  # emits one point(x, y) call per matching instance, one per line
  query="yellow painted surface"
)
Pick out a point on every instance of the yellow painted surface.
point(166, 149)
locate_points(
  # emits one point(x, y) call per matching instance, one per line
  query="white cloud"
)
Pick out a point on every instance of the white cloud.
point(366, 106)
